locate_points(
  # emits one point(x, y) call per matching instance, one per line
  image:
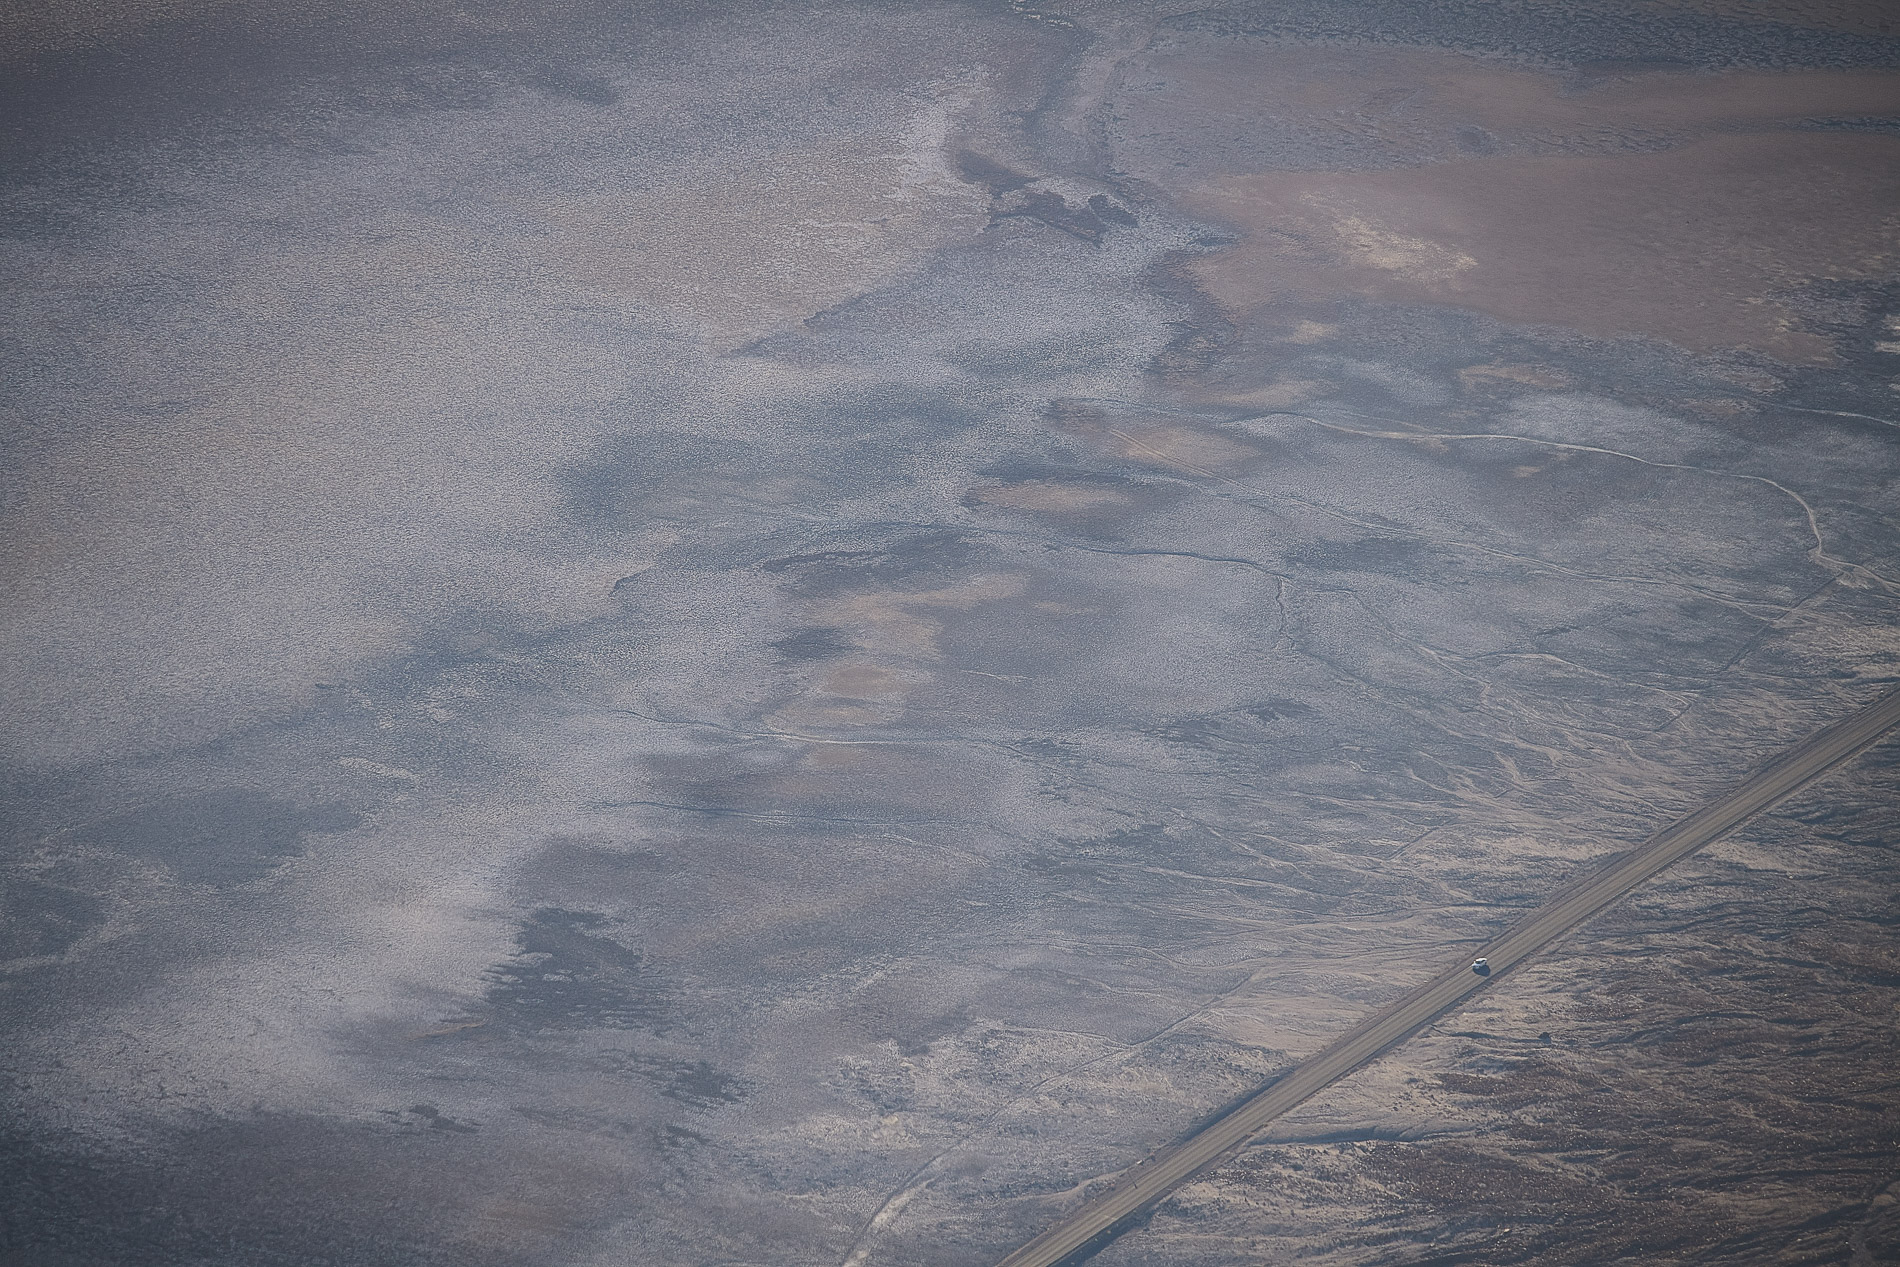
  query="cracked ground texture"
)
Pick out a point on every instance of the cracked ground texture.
point(777, 634)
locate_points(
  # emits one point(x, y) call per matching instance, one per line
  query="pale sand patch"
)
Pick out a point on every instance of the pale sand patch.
point(1369, 245)
point(1183, 448)
point(828, 756)
point(1689, 245)
point(889, 624)
point(1308, 333)
point(378, 770)
point(740, 253)
point(1670, 205)
point(804, 715)
point(898, 624)
point(1498, 374)
point(865, 682)
point(1279, 395)
point(1142, 437)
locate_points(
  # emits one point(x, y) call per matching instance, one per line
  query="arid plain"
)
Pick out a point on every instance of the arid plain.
point(729, 634)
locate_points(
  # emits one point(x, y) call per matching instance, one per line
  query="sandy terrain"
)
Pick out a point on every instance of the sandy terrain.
point(748, 635)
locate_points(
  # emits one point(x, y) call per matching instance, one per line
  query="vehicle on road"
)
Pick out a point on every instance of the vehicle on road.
point(1160, 1174)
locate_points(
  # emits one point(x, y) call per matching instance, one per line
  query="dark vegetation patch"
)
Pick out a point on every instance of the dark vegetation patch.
point(587, 89)
point(44, 919)
point(1272, 710)
point(1391, 556)
point(220, 839)
point(929, 555)
point(697, 1084)
point(815, 643)
point(572, 870)
point(1203, 336)
point(989, 173)
point(569, 976)
point(1011, 196)
point(903, 1015)
point(1593, 40)
point(431, 1118)
point(297, 1192)
point(1854, 123)
point(1052, 209)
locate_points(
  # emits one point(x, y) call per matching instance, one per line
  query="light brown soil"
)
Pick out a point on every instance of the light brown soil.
point(1689, 246)
point(1676, 206)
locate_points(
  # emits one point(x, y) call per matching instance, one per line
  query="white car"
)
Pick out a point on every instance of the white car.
point(1481, 966)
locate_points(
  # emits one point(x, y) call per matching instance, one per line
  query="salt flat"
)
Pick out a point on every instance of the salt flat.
point(737, 634)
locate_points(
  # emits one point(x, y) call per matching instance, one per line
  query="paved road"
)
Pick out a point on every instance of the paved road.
point(1151, 1180)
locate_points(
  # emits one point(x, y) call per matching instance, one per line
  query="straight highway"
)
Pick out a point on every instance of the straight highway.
point(1146, 1183)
